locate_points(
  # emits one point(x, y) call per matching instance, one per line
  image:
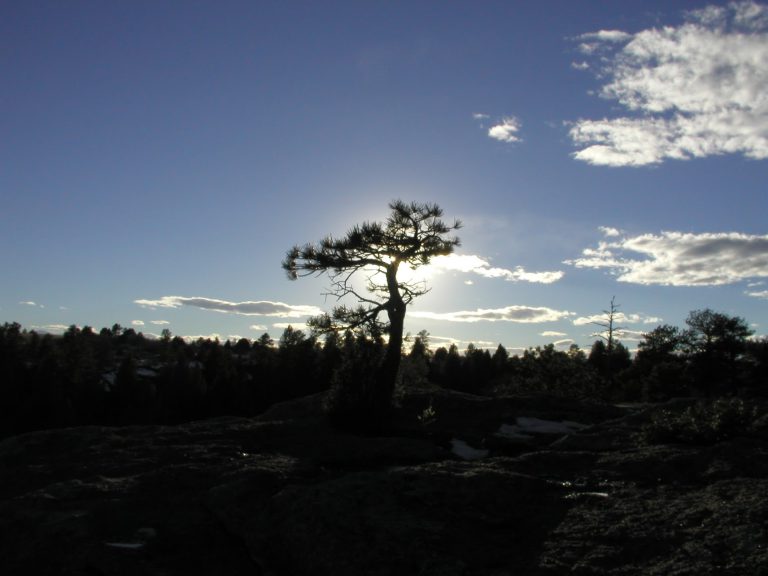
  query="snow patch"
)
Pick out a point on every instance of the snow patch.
point(465, 451)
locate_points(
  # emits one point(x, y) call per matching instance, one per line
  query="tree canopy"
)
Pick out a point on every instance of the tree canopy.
point(412, 235)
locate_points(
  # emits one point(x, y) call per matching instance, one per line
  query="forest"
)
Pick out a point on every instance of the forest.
point(117, 376)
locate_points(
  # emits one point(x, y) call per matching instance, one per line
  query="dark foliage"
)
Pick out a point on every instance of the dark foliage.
point(355, 399)
point(118, 377)
point(706, 422)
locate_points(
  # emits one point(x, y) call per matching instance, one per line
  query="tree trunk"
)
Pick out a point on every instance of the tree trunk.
point(391, 364)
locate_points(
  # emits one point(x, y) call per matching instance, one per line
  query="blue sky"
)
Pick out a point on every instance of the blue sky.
point(158, 159)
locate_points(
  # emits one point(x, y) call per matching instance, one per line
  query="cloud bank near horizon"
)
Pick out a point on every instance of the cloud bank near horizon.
point(690, 91)
point(515, 313)
point(248, 308)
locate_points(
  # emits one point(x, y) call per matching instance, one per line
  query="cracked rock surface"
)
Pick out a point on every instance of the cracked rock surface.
point(283, 494)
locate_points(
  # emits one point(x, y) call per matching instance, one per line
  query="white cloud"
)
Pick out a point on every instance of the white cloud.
point(519, 314)
point(52, 328)
point(759, 294)
point(295, 325)
point(563, 343)
point(194, 338)
point(137, 322)
point(693, 90)
point(470, 263)
point(552, 334)
point(258, 327)
point(681, 259)
point(480, 116)
point(609, 231)
point(506, 130)
point(593, 42)
point(630, 335)
point(446, 341)
point(606, 36)
point(159, 322)
point(31, 303)
point(258, 308)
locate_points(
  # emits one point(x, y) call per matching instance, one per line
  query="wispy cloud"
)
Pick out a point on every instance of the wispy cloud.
point(51, 328)
point(506, 131)
point(480, 116)
point(446, 341)
point(159, 322)
point(592, 42)
point(137, 322)
point(693, 90)
point(258, 327)
point(759, 294)
point(630, 335)
point(618, 318)
point(552, 334)
point(31, 304)
point(469, 263)
point(609, 231)
point(519, 314)
point(295, 325)
point(681, 259)
point(257, 308)
point(623, 335)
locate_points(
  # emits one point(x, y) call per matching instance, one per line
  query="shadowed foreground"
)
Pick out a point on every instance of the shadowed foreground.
point(285, 495)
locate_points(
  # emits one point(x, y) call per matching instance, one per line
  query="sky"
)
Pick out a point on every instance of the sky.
point(158, 159)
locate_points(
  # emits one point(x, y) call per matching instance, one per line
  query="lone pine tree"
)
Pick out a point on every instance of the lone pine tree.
point(411, 236)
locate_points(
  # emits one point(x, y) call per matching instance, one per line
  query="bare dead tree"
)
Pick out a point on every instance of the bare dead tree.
point(609, 327)
point(608, 334)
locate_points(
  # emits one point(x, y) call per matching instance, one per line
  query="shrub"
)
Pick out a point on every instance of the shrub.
point(354, 402)
point(702, 423)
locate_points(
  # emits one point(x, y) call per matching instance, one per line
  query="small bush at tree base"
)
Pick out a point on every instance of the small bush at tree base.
point(353, 402)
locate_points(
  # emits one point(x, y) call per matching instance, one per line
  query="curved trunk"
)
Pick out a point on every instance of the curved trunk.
point(396, 316)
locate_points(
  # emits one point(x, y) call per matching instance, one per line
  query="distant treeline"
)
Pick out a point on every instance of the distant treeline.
point(117, 376)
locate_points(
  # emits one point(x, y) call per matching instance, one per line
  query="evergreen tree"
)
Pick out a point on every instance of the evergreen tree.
point(411, 236)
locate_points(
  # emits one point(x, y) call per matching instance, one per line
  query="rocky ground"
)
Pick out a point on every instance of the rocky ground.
point(567, 488)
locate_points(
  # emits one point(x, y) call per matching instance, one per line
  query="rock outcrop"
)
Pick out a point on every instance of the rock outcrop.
point(283, 494)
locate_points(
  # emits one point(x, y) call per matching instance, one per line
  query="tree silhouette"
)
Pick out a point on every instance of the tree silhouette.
point(609, 335)
point(715, 341)
point(411, 236)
